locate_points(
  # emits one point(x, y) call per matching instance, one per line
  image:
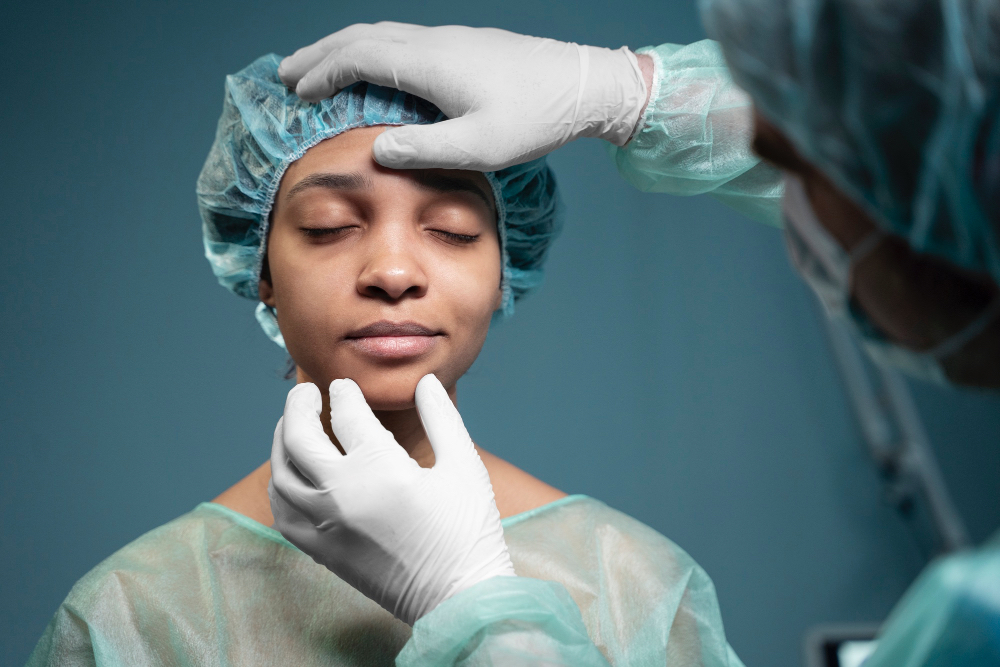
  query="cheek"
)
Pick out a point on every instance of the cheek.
point(472, 286)
point(307, 290)
point(471, 290)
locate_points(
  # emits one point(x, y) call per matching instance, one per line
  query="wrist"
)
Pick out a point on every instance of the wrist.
point(646, 66)
point(614, 95)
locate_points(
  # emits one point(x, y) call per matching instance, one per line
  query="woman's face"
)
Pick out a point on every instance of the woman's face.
point(381, 275)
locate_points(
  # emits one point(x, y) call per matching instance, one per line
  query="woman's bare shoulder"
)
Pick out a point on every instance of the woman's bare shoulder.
point(516, 491)
point(249, 496)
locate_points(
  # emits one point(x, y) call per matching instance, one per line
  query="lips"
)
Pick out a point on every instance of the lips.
point(393, 340)
point(386, 328)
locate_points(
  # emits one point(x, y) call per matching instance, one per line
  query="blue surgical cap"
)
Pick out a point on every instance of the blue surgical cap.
point(265, 127)
point(897, 101)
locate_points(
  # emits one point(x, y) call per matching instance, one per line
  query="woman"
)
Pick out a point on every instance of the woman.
point(384, 277)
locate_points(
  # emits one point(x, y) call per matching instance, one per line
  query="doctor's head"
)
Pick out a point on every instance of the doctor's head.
point(360, 271)
point(883, 116)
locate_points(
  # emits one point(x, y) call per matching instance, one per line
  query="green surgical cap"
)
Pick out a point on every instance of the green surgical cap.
point(895, 100)
point(265, 127)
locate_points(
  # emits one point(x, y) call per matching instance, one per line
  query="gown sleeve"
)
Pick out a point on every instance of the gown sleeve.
point(503, 621)
point(68, 641)
point(950, 616)
point(524, 621)
point(695, 135)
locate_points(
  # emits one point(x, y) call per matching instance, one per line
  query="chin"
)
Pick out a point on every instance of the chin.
point(391, 388)
point(382, 393)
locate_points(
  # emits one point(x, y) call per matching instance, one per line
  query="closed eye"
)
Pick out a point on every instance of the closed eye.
point(325, 232)
point(452, 237)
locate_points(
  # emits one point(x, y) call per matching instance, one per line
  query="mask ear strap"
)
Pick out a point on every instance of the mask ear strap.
point(951, 345)
point(862, 249)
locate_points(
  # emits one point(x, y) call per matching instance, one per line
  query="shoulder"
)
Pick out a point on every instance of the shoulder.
point(102, 603)
point(173, 551)
point(216, 586)
point(515, 490)
point(621, 573)
point(643, 598)
point(592, 529)
point(126, 599)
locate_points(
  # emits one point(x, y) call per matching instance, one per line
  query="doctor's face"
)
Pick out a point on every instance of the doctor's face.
point(381, 275)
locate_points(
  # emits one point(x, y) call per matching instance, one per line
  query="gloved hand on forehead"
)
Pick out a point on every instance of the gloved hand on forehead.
point(405, 536)
point(509, 98)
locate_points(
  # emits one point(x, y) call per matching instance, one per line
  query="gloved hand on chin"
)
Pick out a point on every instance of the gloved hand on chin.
point(405, 536)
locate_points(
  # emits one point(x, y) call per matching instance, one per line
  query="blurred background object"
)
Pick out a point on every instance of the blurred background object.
point(134, 386)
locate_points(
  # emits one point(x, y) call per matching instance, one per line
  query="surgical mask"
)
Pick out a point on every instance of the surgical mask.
point(826, 267)
point(818, 257)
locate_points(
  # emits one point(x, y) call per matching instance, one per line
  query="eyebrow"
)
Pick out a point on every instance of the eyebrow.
point(351, 181)
point(428, 180)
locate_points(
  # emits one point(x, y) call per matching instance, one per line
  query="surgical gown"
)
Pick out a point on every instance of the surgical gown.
point(950, 616)
point(214, 587)
point(695, 135)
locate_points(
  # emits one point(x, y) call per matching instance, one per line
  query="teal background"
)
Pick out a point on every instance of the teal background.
point(672, 366)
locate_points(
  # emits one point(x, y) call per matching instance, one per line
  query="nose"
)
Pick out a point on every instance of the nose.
point(392, 274)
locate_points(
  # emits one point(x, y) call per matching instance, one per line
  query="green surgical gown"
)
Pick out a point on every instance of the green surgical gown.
point(695, 135)
point(214, 587)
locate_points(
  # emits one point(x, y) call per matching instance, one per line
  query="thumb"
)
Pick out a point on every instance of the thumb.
point(352, 420)
point(442, 423)
point(459, 143)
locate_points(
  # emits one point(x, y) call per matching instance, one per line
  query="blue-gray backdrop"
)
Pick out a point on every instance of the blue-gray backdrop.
point(672, 366)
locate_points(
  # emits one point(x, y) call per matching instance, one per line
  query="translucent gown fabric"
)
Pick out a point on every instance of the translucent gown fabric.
point(950, 616)
point(897, 101)
point(214, 587)
point(265, 127)
point(695, 135)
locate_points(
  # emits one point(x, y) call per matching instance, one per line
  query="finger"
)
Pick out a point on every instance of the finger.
point(443, 424)
point(294, 67)
point(458, 143)
point(286, 482)
point(353, 421)
point(295, 527)
point(305, 443)
point(283, 512)
point(384, 62)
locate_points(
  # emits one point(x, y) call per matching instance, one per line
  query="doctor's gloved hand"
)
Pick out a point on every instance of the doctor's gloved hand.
point(405, 536)
point(509, 98)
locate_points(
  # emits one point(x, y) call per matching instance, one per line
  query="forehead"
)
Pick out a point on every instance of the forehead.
point(351, 152)
point(344, 163)
point(352, 148)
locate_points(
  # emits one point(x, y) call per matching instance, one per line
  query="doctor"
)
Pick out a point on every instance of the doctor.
point(880, 127)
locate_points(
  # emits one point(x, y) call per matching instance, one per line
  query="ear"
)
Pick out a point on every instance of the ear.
point(266, 292)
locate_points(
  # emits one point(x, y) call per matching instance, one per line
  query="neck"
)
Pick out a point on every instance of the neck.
point(404, 425)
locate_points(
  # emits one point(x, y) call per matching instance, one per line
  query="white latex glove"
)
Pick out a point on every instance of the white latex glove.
point(509, 98)
point(405, 536)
